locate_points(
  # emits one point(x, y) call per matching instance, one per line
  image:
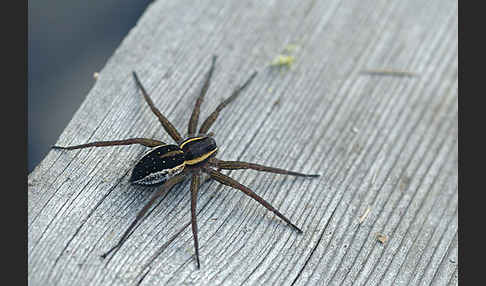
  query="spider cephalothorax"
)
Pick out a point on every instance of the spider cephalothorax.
point(170, 164)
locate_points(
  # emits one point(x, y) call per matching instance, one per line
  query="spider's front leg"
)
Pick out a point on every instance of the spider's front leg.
point(163, 120)
point(236, 165)
point(142, 141)
point(197, 107)
point(213, 116)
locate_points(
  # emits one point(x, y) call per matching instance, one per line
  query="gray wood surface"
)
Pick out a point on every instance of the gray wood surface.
point(385, 146)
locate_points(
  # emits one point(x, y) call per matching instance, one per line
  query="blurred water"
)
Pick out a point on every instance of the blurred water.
point(67, 42)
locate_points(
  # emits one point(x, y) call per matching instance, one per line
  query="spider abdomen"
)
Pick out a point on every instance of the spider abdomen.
point(158, 164)
point(198, 149)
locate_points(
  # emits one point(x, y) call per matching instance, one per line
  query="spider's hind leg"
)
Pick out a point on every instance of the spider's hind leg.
point(194, 189)
point(165, 188)
point(142, 141)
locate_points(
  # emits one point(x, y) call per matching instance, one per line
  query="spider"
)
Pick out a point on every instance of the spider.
point(170, 164)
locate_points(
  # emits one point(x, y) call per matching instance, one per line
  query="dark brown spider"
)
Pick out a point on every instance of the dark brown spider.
point(171, 164)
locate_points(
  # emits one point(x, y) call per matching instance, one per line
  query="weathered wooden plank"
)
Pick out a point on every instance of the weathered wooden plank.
point(386, 147)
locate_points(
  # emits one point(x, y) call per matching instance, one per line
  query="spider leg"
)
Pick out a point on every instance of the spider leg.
point(211, 118)
point(225, 180)
point(165, 187)
point(142, 141)
point(171, 239)
point(195, 113)
point(235, 165)
point(194, 190)
point(165, 122)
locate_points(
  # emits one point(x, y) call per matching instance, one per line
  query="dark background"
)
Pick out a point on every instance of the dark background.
point(68, 41)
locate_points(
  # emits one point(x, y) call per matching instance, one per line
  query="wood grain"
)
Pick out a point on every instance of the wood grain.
point(385, 145)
